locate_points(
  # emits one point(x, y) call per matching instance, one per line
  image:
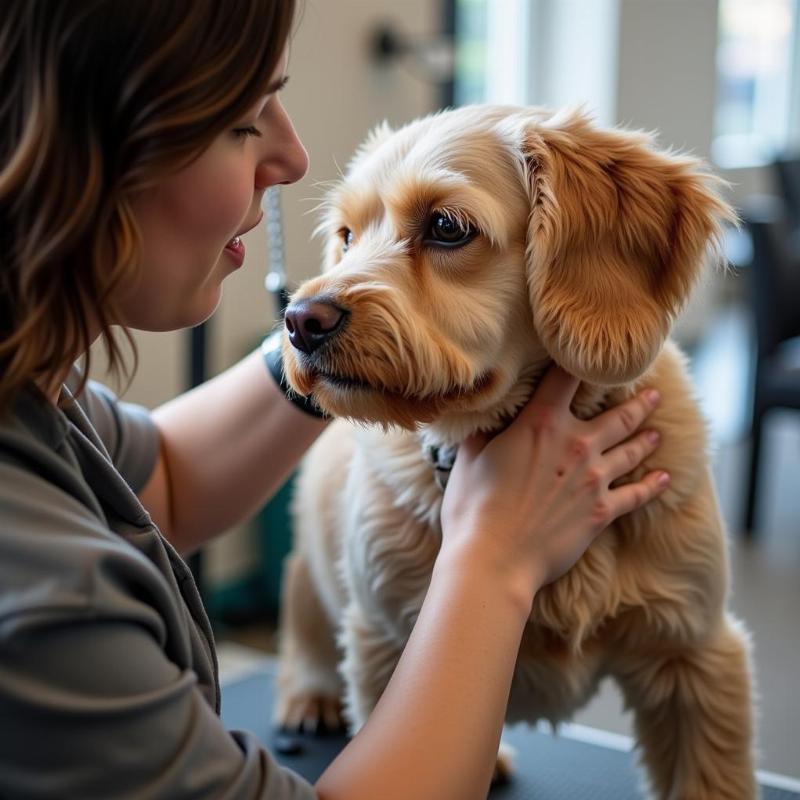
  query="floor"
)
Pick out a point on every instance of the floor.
point(766, 582)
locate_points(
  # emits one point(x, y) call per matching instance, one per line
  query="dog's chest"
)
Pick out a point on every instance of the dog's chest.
point(391, 531)
point(392, 535)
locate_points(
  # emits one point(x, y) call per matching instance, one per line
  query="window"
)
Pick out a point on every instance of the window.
point(470, 16)
point(758, 86)
point(553, 53)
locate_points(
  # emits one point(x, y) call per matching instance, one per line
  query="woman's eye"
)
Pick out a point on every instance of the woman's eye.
point(247, 130)
point(347, 238)
point(447, 231)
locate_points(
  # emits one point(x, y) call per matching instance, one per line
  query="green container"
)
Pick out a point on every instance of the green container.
point(274, 541)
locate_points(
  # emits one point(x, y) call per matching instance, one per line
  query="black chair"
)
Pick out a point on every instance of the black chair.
point(774, 293)
point(786, 180)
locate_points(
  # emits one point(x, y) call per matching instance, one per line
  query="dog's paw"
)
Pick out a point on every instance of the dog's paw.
point(310, 712)
point(504, 766)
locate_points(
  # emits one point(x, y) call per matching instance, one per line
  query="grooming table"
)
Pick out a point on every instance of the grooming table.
point(579, 763)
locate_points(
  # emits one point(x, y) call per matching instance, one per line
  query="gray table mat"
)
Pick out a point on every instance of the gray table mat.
point(547, 767)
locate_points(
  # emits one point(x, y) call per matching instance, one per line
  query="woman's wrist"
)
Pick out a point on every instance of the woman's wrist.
point(483, 566)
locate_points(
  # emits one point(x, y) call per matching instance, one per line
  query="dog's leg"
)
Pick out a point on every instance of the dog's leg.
point(369, 661)
point(693, 716)
point(309, 687)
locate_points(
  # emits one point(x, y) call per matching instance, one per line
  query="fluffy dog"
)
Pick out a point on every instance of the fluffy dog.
point(465, 253)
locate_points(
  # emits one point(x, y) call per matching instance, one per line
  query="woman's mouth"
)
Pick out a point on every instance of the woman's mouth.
point(235, 249)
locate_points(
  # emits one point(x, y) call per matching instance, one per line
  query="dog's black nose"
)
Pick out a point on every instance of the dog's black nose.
point(310, 323)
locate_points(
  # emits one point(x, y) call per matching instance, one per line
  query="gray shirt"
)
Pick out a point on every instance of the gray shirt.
point(108, 675)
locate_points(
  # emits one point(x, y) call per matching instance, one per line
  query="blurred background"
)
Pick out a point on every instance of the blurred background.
point(718, 78)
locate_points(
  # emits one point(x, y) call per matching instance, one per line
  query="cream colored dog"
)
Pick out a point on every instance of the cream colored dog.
point(465, 253)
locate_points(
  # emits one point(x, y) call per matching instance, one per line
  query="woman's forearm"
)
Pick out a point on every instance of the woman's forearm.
point(436, 729)
point(226, 447)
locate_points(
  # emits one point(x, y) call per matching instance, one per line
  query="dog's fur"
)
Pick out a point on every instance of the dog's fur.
point(588, 244)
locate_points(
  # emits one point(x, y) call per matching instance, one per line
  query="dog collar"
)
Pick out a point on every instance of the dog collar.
point(441, 458)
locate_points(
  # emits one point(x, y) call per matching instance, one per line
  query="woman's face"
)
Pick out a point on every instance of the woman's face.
point(188, 222)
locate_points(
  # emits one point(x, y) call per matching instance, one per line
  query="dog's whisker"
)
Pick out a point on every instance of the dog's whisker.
point(321, 206)
point(338, 169)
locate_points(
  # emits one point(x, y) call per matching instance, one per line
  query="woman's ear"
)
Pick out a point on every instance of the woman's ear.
point(617, 236)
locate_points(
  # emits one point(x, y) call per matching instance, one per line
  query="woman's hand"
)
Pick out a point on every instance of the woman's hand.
point(531, 499)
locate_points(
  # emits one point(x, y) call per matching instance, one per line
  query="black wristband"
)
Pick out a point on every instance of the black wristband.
point(273, 358)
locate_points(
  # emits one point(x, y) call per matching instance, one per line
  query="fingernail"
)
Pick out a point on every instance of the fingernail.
point(663, 479)
point(653, 437)
point(652, 397)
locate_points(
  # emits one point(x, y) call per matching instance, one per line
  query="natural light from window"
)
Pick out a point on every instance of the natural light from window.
point(758, 87)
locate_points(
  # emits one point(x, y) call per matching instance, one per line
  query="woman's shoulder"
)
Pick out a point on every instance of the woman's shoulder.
point(126, 430)
point(57, 554)
point(39, 472)
point(59, 557)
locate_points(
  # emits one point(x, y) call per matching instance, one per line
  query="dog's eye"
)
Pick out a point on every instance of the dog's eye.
point(447, 231)
point(347, 238)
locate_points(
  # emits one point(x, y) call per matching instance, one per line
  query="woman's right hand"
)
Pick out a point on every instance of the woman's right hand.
point(531, 498)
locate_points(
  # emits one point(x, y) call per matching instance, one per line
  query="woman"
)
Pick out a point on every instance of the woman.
point(137, 141)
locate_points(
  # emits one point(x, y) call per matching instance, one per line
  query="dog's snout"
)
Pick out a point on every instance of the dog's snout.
point(310, 323)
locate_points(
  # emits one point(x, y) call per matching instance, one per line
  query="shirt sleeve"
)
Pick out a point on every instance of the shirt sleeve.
point(91, 704)
point(91, 708)
point(127, 431)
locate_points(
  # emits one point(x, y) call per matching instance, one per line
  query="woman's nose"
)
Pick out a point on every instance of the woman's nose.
point(286, 161)
point(296, 163)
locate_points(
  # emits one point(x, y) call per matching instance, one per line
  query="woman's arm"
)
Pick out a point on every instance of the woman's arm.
point(226, 447)
point(434, 733)
point(519, 510)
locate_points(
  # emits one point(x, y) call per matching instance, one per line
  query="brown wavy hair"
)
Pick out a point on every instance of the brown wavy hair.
point(101, 99)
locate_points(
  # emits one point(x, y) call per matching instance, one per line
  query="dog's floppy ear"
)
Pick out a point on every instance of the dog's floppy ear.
point(617, 236)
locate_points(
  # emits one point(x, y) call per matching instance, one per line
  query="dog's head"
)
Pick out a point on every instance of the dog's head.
point(468, 249)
